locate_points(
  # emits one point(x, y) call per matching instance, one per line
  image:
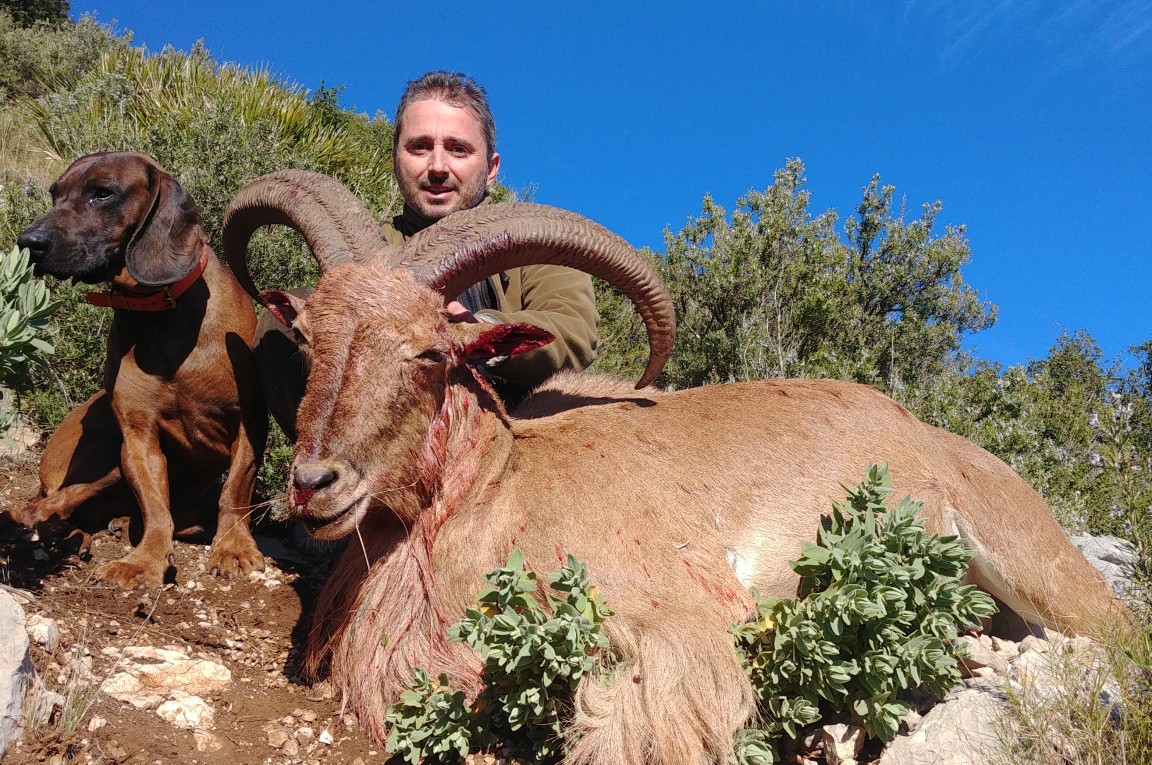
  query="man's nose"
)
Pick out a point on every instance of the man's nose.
point(438, 163)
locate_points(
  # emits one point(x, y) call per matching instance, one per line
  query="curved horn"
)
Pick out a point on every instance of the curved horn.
point(336, 225)
point(471, 245)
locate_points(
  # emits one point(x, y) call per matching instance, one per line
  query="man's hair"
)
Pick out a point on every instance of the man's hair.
point(452, 88)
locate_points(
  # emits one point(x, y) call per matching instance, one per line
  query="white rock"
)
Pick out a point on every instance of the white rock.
point(980, 655)
point(44, 632)
point(842, 743)
point(1006, 648)
point(325, 737)
point(277, 737)
point(96, 723)
point(15, 668)
point(186, 711)
point(205, 741)
point(166, 671)
point(962, 730)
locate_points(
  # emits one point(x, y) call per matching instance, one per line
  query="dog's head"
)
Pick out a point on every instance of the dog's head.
point(113, 211)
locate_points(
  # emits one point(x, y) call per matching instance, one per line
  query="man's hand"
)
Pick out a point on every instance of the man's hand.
point(457, 312)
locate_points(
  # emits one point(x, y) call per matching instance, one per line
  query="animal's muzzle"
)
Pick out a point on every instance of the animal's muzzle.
point(38, 242)
point(307, 479)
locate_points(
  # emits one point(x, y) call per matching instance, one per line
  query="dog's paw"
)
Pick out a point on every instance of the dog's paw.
point(231, 558)
point(131, 571)
point(29, 515)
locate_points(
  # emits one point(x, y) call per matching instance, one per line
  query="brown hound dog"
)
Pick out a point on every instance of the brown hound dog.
point(181, 401)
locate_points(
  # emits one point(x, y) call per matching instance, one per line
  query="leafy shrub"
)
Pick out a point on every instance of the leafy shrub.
point(883, 598)
point(534, 655)
point(1121, 458)
point(25, 307)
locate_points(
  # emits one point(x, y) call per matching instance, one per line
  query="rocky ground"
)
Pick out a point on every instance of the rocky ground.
point(201, 671)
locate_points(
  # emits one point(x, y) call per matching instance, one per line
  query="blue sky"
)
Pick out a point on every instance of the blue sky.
point(1030, 120)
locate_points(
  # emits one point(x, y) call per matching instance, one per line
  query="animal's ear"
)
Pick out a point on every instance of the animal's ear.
point(169, 239)
point(285, 306)
point(505, 340)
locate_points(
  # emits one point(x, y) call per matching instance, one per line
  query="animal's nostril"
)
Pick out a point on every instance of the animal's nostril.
point(308, 479)
point(36, 241)
point(312, 477)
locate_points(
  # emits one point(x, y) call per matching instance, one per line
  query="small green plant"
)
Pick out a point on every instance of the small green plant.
point(882, 598)
point(533, 657)
point(25, 307)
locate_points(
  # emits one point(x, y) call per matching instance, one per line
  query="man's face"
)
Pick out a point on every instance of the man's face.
point(442, 160)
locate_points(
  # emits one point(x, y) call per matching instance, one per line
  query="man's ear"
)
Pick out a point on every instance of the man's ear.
point(285, 306)
point(486, 341)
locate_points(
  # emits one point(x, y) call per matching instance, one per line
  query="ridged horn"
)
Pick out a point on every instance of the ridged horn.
point(471, 245)
point(336, 225)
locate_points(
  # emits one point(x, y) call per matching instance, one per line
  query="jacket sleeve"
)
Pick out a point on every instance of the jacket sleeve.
point(560, 300)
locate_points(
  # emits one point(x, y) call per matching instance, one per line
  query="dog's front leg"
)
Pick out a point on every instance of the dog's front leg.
point(146, 469)
point(234, 550)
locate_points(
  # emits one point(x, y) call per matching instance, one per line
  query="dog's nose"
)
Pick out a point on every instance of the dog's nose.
point(36, 241)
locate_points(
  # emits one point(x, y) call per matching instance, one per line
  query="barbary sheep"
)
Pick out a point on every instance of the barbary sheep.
point(678, 502)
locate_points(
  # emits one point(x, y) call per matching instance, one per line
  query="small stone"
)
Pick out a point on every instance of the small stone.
point(977, 655)
point(277, 738)
point(44, 632)
point(205, 741)
point(96, 723)
point(290, 748)
point(842, 743)
point(1006, 648)
point(910, 722)
point(325, 737)
point(307, 715)
point(186, 711)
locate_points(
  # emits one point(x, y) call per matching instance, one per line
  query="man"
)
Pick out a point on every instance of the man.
point(445, 160)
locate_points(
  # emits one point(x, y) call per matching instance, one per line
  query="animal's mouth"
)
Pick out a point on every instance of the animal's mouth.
point(332, 521)
point(86, 271)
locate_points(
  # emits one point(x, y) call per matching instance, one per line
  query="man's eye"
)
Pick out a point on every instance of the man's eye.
point(459, 151)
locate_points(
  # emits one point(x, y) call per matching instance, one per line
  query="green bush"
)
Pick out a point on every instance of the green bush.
point(533, 655)
point(882, 599)
point(25, 307)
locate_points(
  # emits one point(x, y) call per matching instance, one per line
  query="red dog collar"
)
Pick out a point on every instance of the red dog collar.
point(161, 300)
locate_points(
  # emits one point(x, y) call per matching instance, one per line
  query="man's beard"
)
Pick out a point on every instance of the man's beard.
point(468, 195)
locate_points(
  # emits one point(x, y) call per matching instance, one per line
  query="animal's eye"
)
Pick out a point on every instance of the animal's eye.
point(101, 193)
point(431, 356)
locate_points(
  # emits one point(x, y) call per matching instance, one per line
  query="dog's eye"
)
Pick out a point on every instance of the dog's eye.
point(100, 193)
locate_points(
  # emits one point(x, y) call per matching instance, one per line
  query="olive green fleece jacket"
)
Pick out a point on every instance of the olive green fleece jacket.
point(555, 298)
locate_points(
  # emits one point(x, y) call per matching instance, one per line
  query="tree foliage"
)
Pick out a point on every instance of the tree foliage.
point(26, 13)
point(773, 290)
point(40, 58)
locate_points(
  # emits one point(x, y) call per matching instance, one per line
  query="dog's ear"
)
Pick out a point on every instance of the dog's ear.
point(169, 239)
